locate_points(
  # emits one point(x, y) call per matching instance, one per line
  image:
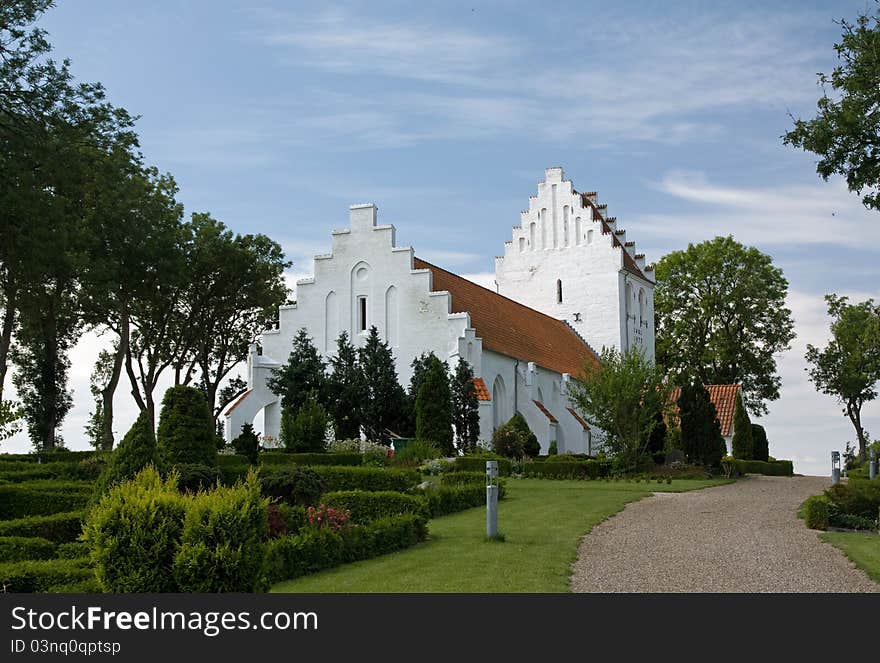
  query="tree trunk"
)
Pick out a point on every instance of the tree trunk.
point(854, 411)
point(6, 338)
point(108, 392)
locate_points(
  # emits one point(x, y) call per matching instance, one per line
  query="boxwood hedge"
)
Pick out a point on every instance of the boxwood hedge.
point(48, 575)
point(42, 498)
point(20, 548)
point(59, 527)
point(365, 506)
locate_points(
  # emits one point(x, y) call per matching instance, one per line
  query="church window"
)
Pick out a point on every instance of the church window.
point(558, 291)
point(589, 237)
point(362, 314)
point(532, 235)
point(577, 230)
point(543, 218)
point(642, 306)
point(522, 244)
point(565, 225)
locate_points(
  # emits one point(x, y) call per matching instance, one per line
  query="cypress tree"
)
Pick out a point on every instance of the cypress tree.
point(186, 428)
point(345, 390)
point(700, 431)
point(247, 444)
point(302, 374)
point(742, 432)
point(384, 400)
point(434, 406)
point(465, 407)
point(760, 446)
point(136, 450)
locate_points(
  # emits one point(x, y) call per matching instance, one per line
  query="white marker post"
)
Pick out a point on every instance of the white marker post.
point(492, 499)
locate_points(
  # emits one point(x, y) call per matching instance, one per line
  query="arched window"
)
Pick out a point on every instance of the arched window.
point(499, 403)
point(565, 225)
point(558, 291)
point(392, 317)
point(543, 219)
point(589, 237)
point(642, 305)
point(629, 299)
point(522, 244)
point(577, 230)
point(532, 235)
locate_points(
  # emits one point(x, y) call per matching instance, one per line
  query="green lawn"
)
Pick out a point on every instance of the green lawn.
point(862, 548)
point(542, 522)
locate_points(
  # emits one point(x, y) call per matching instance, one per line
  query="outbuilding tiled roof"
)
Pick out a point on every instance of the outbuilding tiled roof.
point(512, 329)
point(546, 412)
point(481, 389)
point(723, 397)
point(238, 401)
point(579, 418)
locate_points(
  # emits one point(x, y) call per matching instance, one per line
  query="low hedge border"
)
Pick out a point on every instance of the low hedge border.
point(367, 478)
point(774, 468)
point(366, 506)
point(462, 478)
point(42, 498)
point(327, 458)
point(318, 549)
point(816, 510)
point(47, 457)
point(477, 463)
point(21, 548)
point(49, 575)
point(58, 528)
point(443, 500)
point(77, 471)
point(575, 469)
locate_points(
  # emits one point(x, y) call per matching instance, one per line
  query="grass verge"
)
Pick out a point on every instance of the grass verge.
point(542, 520)
point(862, 548)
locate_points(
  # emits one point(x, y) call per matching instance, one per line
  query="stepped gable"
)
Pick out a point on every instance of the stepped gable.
point(628, 249)
point(512, 329)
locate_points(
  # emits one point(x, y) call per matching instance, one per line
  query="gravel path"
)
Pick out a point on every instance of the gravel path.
point(742, 537)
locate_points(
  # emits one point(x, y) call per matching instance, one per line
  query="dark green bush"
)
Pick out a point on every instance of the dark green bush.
point(72, 550)
point(20, 548)
point(55, 455)
point(64, 471)
point(285, 519)
point(305, 430)
point(232, 468)
point(553, 449)
point(134, 533)
point(293, 485)
point(42, 498)
point(477, 463)
point(443, 500)
point(514, 439)
point(775, 468)
point(221, 547)
point(58, 528)
point(287, 458)
point(186, 428)
point(463, 479)
point(247, 444)
point(368, 478)
point(366, 506)
point(136, 450)
point(193, 477)
point(816, 512)
point(415, 453)
point(760, 445)
point(48, 575)
point(576, 469)
point(317, 549)
point(856, 498)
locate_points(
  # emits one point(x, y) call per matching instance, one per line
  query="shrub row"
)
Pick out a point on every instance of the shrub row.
point(78, 471)
point(317, 549)
point(774, 468)
point(46, 457)
point(20, 548)
point(365, 506)
point(48, 575)
point(443, 500)
point(58, 528)
point(286, 458)
point(576, 469)
point(462, 478)
point(42, 498)
point(816, 511)
point(477, 463)
point(368, 478)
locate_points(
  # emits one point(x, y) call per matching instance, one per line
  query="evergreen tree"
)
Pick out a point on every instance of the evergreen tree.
point(434, 406)
point(384, 400)
point(700, 431)
point(760, 446)
point(303, 373)
point(136, 450)
point(345, 389)
point(657, 438)
point(186, 428)
point(305, 432)
point(465, 407)
point(742, 432)
point(247, 444)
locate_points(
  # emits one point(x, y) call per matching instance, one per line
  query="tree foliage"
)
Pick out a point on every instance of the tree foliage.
point(701, 438)
point(623, 399)
point(742, 443)
point(721, 318)
point(247, 444)
point(345, 387)
point(302, 374)
point(384, 400)
point(136, 451)
point(186, 428)
point(305, 431)
point(848, 368)
point(845, 133)
point(433, 406)
point(465, 407)
point(760, 445)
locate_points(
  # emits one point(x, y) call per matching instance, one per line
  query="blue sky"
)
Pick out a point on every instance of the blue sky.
point(275, 116)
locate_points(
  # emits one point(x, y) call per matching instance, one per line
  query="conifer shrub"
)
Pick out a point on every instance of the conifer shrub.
point(742, 444)
point(306, 431)
point(433, 406)
point(247, 444)
point(20, 548)
point(760, 445)
point(58, 527)
point(292, 485)
point(514, 439)
point(135, 451)
point(186, 428)
point(221, 545)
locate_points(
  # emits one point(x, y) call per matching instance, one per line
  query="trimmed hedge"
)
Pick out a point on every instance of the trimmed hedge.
point(443, 500)
point(329, 458)
point(20, 548)
point(231, 468)
point(366, 506)
point(367, 478)
point(58, 528)
point(42, 498)
point(774, 468)
point(477, 463)
point(816, 512)
point(48, 575)
point(318, 549)
point(56, 455)
point(77, 471)
point(576, 469)
point(855, 498)
point(73, 550)
point(463, 478)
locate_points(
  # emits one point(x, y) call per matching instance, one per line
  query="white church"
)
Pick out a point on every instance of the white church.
point(568, 284)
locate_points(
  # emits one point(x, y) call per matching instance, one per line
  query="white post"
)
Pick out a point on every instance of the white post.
point(491, 499)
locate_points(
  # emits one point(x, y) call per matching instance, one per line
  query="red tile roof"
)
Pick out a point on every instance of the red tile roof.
point(512, 329)
point(238, 401)
point(481, 389)
point(546, 412)
point(579, 418)
point(723, 397)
